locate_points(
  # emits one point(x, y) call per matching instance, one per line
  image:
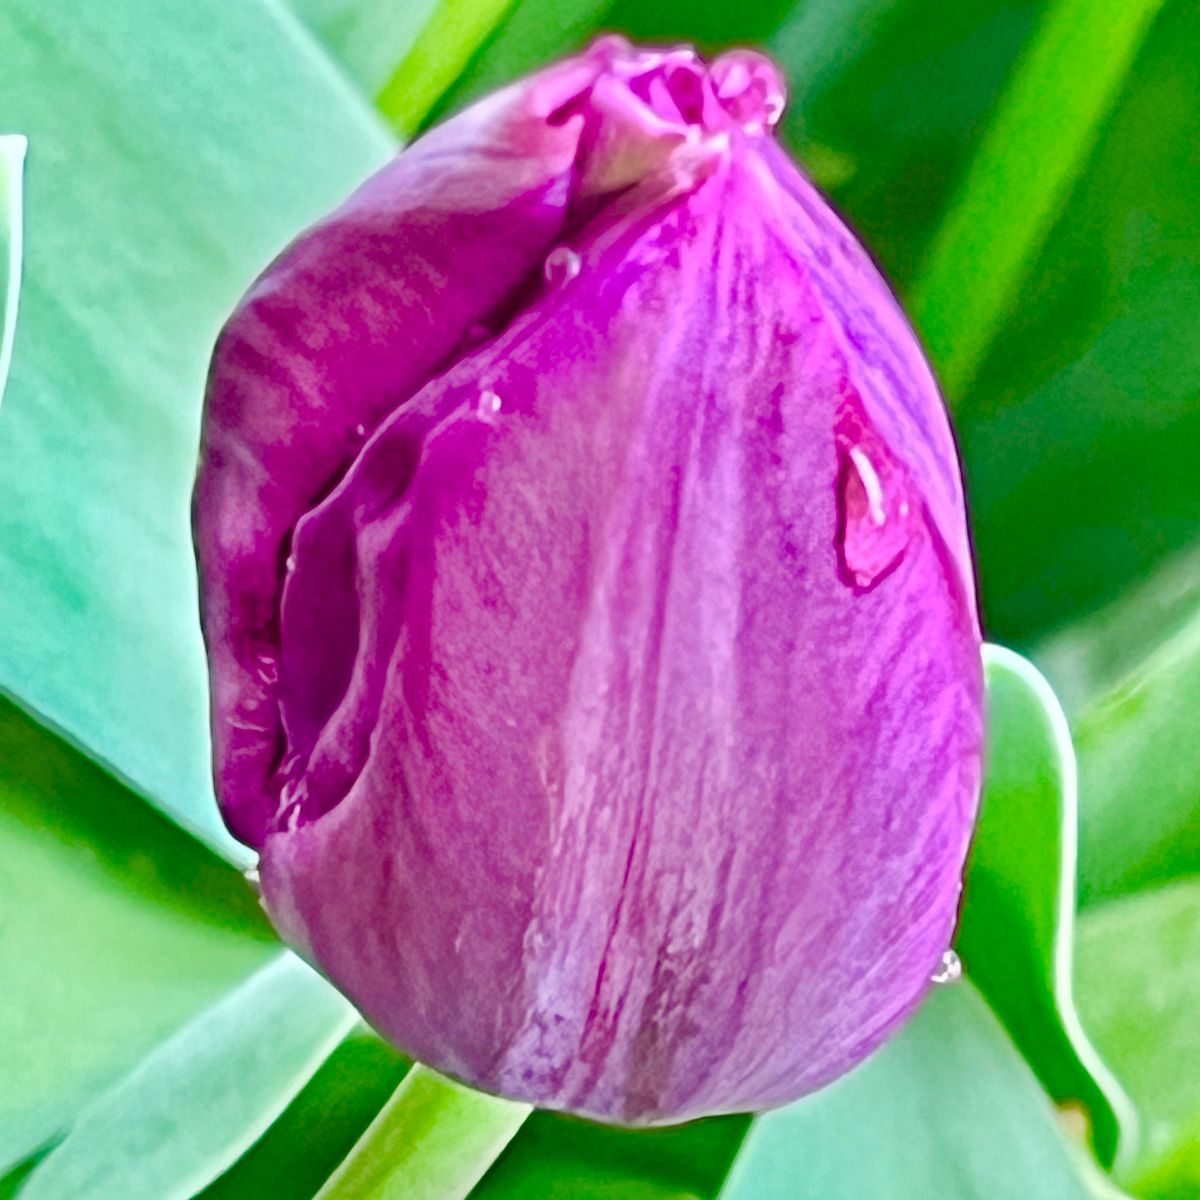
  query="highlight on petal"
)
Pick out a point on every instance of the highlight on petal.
point(589, 603)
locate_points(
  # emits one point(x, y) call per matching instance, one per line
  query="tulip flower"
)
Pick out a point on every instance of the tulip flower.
point(589, 603)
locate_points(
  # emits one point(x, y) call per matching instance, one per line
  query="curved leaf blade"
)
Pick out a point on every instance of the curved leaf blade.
point(189, 186)
point(1016, 931)
point(191, 1107)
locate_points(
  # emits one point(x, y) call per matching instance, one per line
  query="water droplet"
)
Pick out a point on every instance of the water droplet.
point(360, 430)
point(874, 515)
point(488, 406)
point(872, 488)
point(251, 877)
point(750, 89)
point(266, 666)
point(561, 266)
point(291, 563)
point(950, 971)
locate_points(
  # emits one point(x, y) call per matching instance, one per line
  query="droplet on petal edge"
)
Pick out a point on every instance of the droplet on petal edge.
point(488, 406)
point(251, 877)
point(751, 89)
point(874, 515)
point(950, 971)
point(561, 266)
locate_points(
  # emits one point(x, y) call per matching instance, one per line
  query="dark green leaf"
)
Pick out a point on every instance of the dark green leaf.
point(1016, 932)
point(116, 928)
point(191, 1107)
point(302, 1149)
point(1038, 139)
point(173, 150)
point(557, 1158)
point(1082, 431)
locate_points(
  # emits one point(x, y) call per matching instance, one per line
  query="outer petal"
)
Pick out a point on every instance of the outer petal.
point(350, 321)
point(626, 799)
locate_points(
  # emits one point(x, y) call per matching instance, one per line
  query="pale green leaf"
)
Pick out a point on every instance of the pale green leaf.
point(173, 150)
point(947, 1108)
point(115, 928)
point(195, 1103)
point(1016, 932)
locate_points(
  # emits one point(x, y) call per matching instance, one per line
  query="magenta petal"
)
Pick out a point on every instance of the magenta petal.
point(624, 692)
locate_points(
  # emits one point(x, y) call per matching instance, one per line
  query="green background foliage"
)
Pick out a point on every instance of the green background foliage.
point(1027, 174)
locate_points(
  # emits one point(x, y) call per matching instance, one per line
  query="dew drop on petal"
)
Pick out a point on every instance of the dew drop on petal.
point(488, 405)
point(561, 266)
point(291, 562)
point(874, 514)
point(751, 89)
point(251, 877)
point(950, 970)
point(266, 667)
point(360, 430)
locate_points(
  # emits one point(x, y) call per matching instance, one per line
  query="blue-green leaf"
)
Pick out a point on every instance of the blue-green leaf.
point(173, 150)
point(194, 1104)
point(1016, 932)
point(12, 162)
point(947, 1108)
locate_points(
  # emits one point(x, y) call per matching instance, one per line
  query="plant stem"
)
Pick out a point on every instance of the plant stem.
point(433, 1140)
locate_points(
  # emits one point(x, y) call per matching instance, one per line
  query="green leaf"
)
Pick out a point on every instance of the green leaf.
point(12, 161)
point(368, 37)
point(1082, 430)
point(433, 1140)
point(1091, 657)
point(1139, 980)
point(947, 1108)
point(194, 1104)
point(173, 150)
point(437, 57)
point(301, 1150)
point(116, 928)
point(1037, 143)
point(1139, 762)
point(555, 1157)
point(1016, 931)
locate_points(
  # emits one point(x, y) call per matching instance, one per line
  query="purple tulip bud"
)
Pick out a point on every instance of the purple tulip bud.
point(589, 602)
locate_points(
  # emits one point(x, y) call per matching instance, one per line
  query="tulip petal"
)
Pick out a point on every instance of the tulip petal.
point(614, 794)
